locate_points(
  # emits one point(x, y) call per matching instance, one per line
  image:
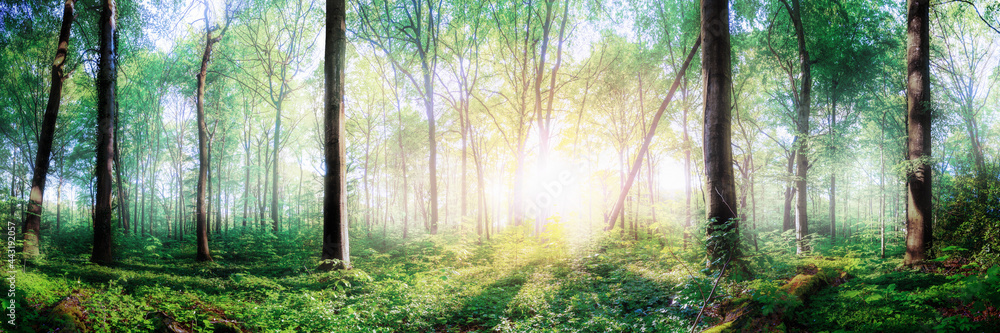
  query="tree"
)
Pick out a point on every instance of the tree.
point(418, 35)
point(32, 221)
point(201, 208)
point(106, 72)
point(336, 245)
point(963, 57)
point(918, 109)
point(720, 196)
point(280, 40)
point(803, 102)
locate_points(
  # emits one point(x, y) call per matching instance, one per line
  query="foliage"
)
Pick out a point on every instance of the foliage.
point(969, 217)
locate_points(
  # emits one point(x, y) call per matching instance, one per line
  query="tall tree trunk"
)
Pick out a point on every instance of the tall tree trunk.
point(32, 222)
point(802, 130)
point(209, 192)
point(918, 104)
point(153, 176)
point(106, 72)
point(218, 192)
point(275, 212)
point(246, 174)
point(720, 184)
point(432, 143)
point(833, 175)
point(181, 214)
point(335, 239)
point(136, 191)
point(881, 187)
point(204, 149)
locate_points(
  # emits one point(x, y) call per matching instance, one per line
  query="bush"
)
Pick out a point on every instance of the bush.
point(969, 215)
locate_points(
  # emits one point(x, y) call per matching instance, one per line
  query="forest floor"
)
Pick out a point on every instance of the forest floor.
point(442, 284)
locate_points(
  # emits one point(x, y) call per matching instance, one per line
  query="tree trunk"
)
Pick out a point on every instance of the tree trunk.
point(32, 222)
point(881, 187)
point(802, 131)
point(335, 240)
point(204, 150)
point(246, 173)
point(833, 176)
point(918, 99)
point(106, 72)
point(787, 222)
point(720, 184)
point(275, 212)
point(432, 143)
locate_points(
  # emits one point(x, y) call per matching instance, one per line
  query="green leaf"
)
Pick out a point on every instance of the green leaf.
point(954, 248)
point(941, 258)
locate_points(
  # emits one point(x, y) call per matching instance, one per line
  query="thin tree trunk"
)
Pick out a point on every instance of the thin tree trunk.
point(881, 186)
point(833, 176)
point(246, 174)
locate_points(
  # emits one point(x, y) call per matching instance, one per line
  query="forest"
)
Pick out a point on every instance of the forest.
point(500, 166)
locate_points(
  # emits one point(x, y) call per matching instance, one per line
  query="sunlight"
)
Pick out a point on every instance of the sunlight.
point(553, 188)
point(670, 175)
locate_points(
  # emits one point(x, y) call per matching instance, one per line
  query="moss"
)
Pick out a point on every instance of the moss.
point(68, 315)
point(721, 328)
point(805, 285)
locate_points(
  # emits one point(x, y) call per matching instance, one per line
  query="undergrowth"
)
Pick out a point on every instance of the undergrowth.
point(511, 284)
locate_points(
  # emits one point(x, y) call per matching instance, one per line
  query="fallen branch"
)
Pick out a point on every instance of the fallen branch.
point(710, 294)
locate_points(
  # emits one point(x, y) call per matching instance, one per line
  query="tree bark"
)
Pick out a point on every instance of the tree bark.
point(202, 207)
point(106, 72)
point(918, 99)
point(720, 186)
point(802, 130)
point(335, 239)
point(32, 222)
